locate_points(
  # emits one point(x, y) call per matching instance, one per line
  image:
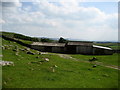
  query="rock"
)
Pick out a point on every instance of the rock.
point(105, 75)
point(94, 66)
point(6, 63)
point(3, 47)
point(44, 53)
point(16, 53)
point(46, 59)
point(55, 66)
point(89, 69)
point(93, 59)
point(39, 53)
point(1, 55)
point(37, 57)
point(22, 49)
point(30, 53)
point(27, 49)
point(5, 82)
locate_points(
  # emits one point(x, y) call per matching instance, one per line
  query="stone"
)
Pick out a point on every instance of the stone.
point(30, 53)
point(94, 66)
point(46, 59)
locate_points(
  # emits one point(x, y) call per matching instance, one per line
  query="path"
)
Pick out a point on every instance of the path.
point(66, 56)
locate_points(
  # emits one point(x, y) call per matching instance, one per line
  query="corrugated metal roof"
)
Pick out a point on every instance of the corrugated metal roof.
point(48, 44)
point(101, 47)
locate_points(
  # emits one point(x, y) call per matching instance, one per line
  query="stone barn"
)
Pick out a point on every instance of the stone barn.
point(49, 47)
point(72, 47)
point(79, 47)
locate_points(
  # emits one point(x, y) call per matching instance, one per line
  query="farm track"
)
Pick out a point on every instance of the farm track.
point(66, 56)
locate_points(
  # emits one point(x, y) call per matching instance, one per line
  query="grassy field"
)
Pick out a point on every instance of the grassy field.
point(106, 59)
point(68, 74)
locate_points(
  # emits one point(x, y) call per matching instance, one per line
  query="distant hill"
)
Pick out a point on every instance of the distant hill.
point(24, 37)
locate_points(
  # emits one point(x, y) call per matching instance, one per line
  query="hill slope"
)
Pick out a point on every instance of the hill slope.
point(32, 71)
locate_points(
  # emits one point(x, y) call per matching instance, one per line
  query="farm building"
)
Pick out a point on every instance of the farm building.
point(100, 50)
point(79, 47)
point(73, 47)
point(49, 47)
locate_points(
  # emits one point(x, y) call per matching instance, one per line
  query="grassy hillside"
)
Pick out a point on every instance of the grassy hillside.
point(106, 59)
point(26, 39)
point(31, 71)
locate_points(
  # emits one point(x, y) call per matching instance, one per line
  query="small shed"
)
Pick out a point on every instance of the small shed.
point(100, 50)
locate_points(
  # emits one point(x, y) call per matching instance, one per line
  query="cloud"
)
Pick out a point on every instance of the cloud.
point(67, 19)
point(11, 3)
point(2, 21)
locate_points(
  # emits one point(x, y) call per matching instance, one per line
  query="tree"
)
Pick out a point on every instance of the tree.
point(62, 40)
point(46, 40)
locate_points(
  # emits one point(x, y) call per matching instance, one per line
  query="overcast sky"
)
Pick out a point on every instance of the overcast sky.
point(73, 19)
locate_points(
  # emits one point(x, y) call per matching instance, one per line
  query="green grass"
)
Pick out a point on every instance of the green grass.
point(106, 59)
point(26, 41)
point(69, 74)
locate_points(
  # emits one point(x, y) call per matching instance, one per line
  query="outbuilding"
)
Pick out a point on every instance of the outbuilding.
point(79, 47)
point(100, 50)
point(72, 47)
point(49, 47)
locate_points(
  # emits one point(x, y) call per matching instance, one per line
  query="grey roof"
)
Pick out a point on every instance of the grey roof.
point(79, 43)
point(48, 44)
point(101, 47)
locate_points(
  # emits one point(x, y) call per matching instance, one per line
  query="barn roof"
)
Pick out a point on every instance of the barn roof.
point(79, 43)
point(101, 47)
point(48, 44)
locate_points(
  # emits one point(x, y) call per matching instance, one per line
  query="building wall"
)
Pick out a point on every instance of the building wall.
point(109, 52)
point(71, 49)
point(58, 49)
point(84, 49)
point(100, 51)
point(37, 47)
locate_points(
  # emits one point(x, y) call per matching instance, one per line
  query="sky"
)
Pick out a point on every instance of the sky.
point(90, 21)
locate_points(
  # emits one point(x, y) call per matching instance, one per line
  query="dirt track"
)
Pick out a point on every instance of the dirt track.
point(66, 56)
